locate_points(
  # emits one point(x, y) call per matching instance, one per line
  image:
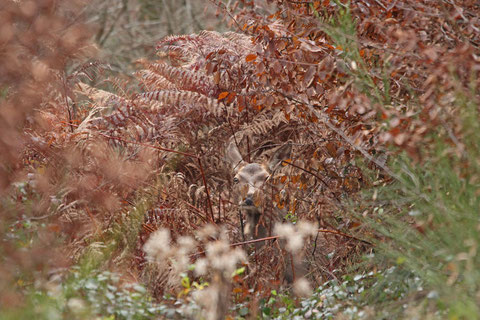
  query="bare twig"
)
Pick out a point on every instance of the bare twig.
point(276, 237)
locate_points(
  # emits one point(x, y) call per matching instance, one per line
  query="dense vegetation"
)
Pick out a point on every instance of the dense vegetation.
point(116, 199)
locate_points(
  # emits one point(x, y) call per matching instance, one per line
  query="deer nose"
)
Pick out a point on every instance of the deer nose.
point(248, 201)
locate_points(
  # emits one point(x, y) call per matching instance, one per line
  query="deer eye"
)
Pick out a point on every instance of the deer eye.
point(235, 180)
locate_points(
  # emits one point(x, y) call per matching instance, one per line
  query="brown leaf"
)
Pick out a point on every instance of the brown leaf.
point(231, 96)
point(332, 149)
point(250, 57)
point(277, 67)
point(216, 77)
point(223, 95)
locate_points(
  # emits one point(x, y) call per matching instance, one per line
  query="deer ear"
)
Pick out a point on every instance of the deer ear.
point(233, 155)
point(282, 153)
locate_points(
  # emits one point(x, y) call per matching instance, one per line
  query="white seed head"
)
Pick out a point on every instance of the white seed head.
point(283, 230)
point(307, 228)
point(294, 242)
point(354, 65)
point(186, 242)
point(76, 305)
point(201, 266)
point(295, 234)
point(208, 300)
point(206, 232)
point(302, 287)
point(157, 246)
point(223, 258)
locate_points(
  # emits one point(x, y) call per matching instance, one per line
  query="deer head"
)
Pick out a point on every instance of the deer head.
point(249, 182)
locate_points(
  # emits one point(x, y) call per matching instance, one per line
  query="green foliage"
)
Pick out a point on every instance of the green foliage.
point(102, 294)
point(434, 234)
point(349, 299)
point(341, 28)
point(3, 92)
point(429, 223)
point(120, 240)
point(38, 305)
point(82, 296)
point(428, 217)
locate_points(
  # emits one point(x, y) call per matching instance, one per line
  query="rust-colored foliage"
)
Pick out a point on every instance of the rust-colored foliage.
point(88, 147)
point(38, 42)
point(291, 80)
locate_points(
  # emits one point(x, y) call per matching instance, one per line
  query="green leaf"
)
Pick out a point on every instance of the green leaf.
point(238, 271)
point(243, 311)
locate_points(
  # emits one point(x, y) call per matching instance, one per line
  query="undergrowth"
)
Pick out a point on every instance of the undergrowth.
point(117, 200)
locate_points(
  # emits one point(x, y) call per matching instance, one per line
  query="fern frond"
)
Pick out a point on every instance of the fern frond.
point(98, 96)
point(122, 111)
point(262, 124)
point(193, 49)
point(169, 41)
point(121, 87)
point(181, 99)
point(90, 70)
point(121, 114)
point(176, 48)
point(242, 43)
point(152, 81)
point(185, 79)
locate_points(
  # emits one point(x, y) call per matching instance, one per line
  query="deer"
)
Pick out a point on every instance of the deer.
point(249, 183)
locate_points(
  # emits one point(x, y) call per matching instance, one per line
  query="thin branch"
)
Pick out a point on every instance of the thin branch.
point(209, 202)
point(222, 5)
point(307, 171)
point(276, 237)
